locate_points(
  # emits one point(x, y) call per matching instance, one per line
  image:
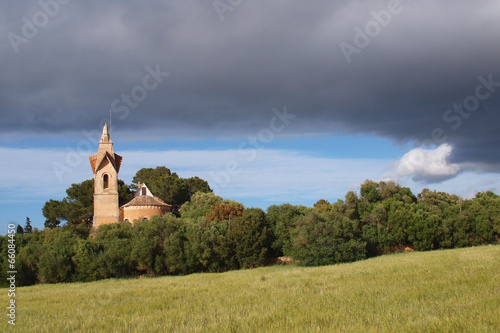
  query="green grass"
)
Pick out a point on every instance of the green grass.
point(440, 291)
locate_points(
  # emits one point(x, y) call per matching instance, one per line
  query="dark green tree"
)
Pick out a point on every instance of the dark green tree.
point(28, 258)
point(282, 219)
point(325, 239)
point(252, 238)
point(88, 260)
point(199, 205)
point(78, 206)
point(351, 205)
point(369, 191)
point(177, 250)
point(55, 263)
point(115, 259)
point(169, 187)
point(210, 246)
point(148, 246)
point(28, 229)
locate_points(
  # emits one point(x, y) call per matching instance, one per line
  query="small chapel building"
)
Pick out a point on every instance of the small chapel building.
point(105, 166)
point(143, 206)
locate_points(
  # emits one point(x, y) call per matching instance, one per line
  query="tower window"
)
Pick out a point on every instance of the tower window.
point(143, 191)
point(105, 182)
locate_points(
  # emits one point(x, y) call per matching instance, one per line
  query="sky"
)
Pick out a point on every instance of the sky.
point(270, 101)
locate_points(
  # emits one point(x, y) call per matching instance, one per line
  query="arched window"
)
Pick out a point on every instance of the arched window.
point(105, 182)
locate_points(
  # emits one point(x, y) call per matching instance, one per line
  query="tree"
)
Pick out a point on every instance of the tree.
point(19, 229)
point(28, 229)
point(195, 185)
point(251, 237)
point(199, 205)
point(282, 219)
point(149, 254)
point(209, 245)
point(370, 194)
point(177, 251)
point(325, 239)
point(28, 258)
point(440, 199)
point(226, 210)
point(322, 206)
point(115, 258)
point(87, 258)
point(169, 187)
point(78, 206)
point(424, 227)
point(56, 264)
point(351, 205)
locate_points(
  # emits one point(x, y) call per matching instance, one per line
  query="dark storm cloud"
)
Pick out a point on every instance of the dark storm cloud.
point(225, 76)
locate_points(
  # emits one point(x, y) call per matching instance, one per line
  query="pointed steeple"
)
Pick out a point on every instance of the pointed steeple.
point(105, 166)
point(105, 135)
point(105, 144)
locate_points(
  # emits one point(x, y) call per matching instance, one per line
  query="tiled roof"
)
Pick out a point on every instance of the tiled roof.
point(98, 158)
point(145, 200)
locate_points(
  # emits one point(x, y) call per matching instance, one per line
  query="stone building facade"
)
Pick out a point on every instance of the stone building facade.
point(105, 166)
point(143, 206)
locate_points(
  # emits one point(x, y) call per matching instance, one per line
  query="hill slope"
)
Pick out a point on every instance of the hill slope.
point(453, 290)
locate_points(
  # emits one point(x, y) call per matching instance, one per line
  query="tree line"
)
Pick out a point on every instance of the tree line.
point(209, 234)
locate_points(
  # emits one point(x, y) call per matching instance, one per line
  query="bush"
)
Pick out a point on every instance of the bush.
point(324, 240)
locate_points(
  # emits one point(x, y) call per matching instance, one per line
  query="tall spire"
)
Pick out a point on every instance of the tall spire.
point(105, 166)
point(105, 134)
point(105, 144)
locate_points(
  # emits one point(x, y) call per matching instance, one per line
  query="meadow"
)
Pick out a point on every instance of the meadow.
point(440, 291)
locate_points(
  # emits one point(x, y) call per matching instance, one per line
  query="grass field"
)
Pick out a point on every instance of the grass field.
point(440, 291)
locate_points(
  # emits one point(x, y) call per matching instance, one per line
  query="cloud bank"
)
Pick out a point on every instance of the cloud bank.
point(429, 74)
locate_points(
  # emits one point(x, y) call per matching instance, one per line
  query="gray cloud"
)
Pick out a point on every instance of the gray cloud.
point(226, 76)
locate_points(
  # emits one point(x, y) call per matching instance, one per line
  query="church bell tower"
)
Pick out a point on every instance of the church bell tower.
point(105, 165)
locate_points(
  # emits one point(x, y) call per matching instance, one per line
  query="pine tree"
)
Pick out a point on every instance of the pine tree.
point(28, 229)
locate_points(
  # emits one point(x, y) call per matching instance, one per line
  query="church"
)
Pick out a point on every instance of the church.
point(105, 166)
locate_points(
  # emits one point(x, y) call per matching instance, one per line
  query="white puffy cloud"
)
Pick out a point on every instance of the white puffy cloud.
point(428, 165)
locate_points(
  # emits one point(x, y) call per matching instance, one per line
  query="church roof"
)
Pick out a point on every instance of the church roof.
point(105, 153)
point(97, 159)
point(144, 197)
point(145, 200)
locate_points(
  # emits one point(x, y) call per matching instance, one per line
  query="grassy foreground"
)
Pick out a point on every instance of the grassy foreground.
point(441, 291)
